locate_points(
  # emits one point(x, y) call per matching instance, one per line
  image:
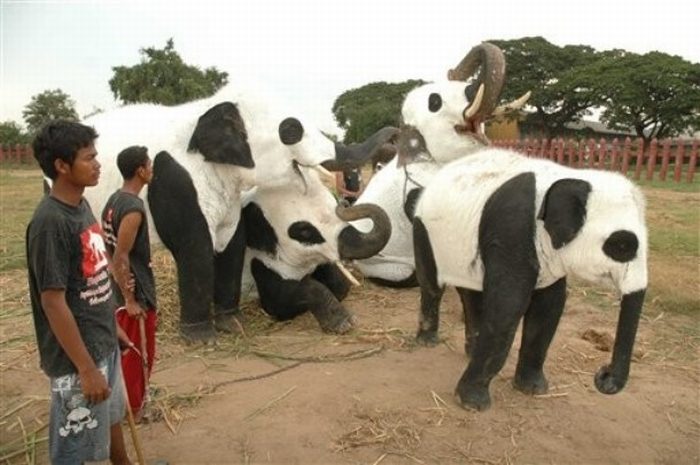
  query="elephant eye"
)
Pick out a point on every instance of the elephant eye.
point(434, 102)
point(291, 131)
point(306, 233)
point(621, 246)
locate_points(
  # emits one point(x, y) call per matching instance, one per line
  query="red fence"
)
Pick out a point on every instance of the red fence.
point(628, 157)
point(16, 154)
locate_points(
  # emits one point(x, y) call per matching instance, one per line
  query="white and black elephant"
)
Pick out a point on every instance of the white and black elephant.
point(296, 243)
point(441, 121)
point(507, 230)
point(208, 152)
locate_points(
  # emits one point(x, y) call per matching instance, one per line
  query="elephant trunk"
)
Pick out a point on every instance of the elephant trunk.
point(353, 244)
point(610, 379)
point(491, 75)
point(357, 154)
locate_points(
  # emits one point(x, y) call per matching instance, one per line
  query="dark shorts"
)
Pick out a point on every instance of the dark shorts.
point(80, 432)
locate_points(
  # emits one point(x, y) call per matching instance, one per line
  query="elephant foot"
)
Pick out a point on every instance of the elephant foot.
point(530, 382)
point(473, 397)
point(339, 324)
point(194, 333)
point(229, 323)
point(427, 338)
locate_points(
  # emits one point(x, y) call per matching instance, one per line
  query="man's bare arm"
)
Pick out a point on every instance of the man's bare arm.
point(126, 237)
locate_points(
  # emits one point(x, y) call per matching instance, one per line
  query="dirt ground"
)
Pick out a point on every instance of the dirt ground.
point(287, 394)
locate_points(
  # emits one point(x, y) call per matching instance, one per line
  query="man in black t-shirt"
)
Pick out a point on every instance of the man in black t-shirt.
point(72, 305)
point(126, 232)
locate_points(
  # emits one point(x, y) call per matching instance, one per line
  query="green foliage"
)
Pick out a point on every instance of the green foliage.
point(656, 94)
point(11, 133)
point(48, 105)
point(534, 64)
point(162, 77)
point(365, 110)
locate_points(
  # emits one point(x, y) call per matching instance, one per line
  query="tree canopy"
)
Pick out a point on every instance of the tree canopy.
point(48, 105)
point(656, 94)
point(367, 109)
point(162, 77)
point(11, 133)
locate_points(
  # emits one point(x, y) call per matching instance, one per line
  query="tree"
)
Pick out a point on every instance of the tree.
point(534, 64)
point(365, 110)
point(11, 133)
point(162, 77)
point(656, 94)
point(48, 105)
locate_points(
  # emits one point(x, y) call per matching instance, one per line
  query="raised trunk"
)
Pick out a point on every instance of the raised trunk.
point(610, 379)
point(353, 244)
point(355, 155)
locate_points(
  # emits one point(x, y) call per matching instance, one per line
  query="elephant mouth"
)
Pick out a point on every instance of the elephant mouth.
point(471, 128)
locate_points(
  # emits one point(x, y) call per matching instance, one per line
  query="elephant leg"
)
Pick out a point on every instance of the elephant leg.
point(330, 276)
point(430, 292)
point(284, 299)
point(539, 324)
point(472, 305)
point(183, 229)
point(228, 270)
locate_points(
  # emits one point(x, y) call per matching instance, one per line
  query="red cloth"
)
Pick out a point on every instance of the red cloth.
point(132, 361)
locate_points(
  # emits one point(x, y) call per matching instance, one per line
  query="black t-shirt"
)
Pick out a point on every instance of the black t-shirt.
point(65, 250)
point(117, 207)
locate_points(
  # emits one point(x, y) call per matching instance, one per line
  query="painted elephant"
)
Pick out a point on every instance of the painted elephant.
point(443, 120)
point(507, 230)
point(296, 241)
point(208, 152)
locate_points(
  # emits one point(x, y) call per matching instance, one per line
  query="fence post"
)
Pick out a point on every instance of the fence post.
point(665, 158)
point(678, 163)
point(571, 152)
point(591, 153)
point(640, 158)
point(693, 161)
point(651, 163)
point(602, 153)
point(543, 148)
point(626, 156)
point(613, 155)
point(560, 151)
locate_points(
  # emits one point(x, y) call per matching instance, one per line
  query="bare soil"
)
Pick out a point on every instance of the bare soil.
point(288, 394)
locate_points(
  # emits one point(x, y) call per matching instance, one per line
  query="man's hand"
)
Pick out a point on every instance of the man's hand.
point(94, 385)
point(134, 309)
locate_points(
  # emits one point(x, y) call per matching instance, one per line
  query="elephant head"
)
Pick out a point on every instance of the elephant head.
point(275, 147)
point(599, 232)
point(448, 115)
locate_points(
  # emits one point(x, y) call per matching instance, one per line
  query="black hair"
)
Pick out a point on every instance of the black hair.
point(61, 139)
point(131, 159)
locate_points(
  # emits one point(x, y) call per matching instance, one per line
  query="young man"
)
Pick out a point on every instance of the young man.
point(71, 297)
point(126, 233)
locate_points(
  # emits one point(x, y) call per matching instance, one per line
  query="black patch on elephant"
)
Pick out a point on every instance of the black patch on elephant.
point(228, 270)
point(305, 232)
point(178, 219)
point(291, 131)
point(409, 206)
point(430, 292)
point(563, 210)
point(285, 299)
point(621, 246)
point(411, 146)
point(330, 276)
point(434, 102)
point(221, 136)
point(259, 232)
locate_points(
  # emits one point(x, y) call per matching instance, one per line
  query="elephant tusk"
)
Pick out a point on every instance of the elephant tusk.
point(325, 172)
point(476, 103)
point(347, 273)
point(512, 106)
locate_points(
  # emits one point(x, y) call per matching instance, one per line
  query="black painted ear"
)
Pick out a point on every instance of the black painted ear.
point(563, 210)
point(221, 136)
point(409, 207)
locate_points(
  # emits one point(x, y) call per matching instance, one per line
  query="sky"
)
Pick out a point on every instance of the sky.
point(304, 53)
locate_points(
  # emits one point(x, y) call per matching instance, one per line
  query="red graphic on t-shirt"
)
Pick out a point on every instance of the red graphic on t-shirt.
point(94, 251)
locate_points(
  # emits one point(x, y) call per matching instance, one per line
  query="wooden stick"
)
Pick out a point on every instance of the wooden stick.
point(132, 426)
point(144, 360)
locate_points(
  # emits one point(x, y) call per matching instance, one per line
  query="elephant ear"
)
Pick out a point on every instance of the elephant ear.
point(563, 210)
point(221, 136)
